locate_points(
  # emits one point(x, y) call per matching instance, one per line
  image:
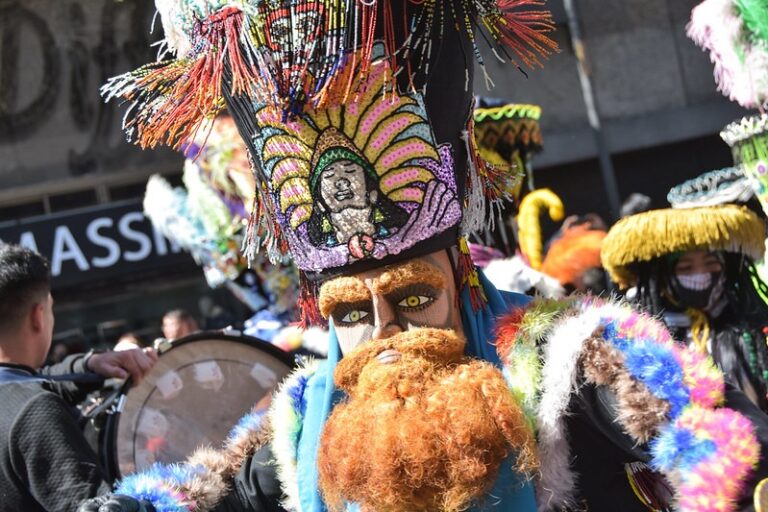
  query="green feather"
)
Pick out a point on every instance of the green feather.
point(754, 13)
point(523, 371)
point(524, 376)
point(539, 317)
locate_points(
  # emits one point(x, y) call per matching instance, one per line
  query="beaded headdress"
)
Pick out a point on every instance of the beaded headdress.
point(356, 115)
point(748, 139)
point(508, 134)
point(735, 33)
point(721, 186)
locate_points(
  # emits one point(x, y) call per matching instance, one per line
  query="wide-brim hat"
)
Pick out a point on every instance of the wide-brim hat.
point(653, 234)
point(508, 131)
point(508, 135)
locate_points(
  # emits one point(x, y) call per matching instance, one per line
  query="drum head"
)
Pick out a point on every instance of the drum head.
point(195, 394)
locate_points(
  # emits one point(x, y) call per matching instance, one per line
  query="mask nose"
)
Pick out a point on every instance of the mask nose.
point(342, 184)
point(385, 319)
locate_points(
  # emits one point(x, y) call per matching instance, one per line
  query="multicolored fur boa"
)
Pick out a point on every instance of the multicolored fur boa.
point(668, 396)
point(199, 483)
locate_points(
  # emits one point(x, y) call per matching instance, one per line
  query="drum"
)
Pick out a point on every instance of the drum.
point(200, 387)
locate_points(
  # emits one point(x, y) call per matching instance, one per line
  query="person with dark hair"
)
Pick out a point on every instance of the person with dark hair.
point(695, 267)
point(178, 323)
point(45, 462)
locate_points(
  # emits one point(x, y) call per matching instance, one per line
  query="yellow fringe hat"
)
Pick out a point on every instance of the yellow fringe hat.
point(656, 233)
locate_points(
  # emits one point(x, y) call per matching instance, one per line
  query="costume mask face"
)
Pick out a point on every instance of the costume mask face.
point(421, 432)
point(381, 303)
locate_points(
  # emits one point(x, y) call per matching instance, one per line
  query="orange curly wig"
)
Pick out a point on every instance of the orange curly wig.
point(427, 432)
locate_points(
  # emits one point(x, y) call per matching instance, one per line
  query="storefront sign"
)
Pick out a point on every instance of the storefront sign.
point(96, 243)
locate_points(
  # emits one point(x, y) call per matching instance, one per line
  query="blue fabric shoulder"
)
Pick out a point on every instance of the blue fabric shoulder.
point(514, 299)
point(479, 325)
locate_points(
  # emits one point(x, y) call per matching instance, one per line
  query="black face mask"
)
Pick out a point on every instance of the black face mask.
point(698, 291)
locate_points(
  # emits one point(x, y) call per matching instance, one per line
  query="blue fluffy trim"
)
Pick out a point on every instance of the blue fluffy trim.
point(678, 448)
point(656, 366)
point(296, 392)
point(612, 335)
point(155, 485)
point(251, 422)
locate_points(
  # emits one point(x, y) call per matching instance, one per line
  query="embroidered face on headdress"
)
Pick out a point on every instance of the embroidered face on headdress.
point(363, 180)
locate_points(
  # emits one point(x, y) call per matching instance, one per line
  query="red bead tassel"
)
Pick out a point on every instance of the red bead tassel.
point(173, 100)
point(523, 29)
point(309, 311)
point(468, 277)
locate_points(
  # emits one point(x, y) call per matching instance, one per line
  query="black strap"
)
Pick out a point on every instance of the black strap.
point(78, 378)
point(8, 375)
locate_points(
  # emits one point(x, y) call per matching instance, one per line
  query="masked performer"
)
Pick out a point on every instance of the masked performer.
point(695, 266)
point(411, 411)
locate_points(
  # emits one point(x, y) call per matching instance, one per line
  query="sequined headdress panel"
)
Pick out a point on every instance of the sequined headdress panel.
point(357, 115)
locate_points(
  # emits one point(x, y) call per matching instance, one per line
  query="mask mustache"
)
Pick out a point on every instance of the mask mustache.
point(435, 345)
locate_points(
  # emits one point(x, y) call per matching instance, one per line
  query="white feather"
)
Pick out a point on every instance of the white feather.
point(513, 275)
point(176, 39)
point(285, 428)
point(557, 483)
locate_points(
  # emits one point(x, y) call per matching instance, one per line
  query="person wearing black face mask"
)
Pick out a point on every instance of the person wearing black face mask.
point(694, 268)
point(697, 281)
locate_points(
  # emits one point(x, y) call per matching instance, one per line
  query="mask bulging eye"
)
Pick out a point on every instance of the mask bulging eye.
point(354, 316)
point(414, 301)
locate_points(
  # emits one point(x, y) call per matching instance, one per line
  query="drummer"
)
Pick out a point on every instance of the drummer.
point(45, 462)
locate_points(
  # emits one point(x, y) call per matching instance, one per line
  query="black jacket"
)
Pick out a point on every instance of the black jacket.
point(45, 462)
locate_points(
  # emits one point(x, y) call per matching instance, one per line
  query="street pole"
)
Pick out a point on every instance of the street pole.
point(604, 156)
